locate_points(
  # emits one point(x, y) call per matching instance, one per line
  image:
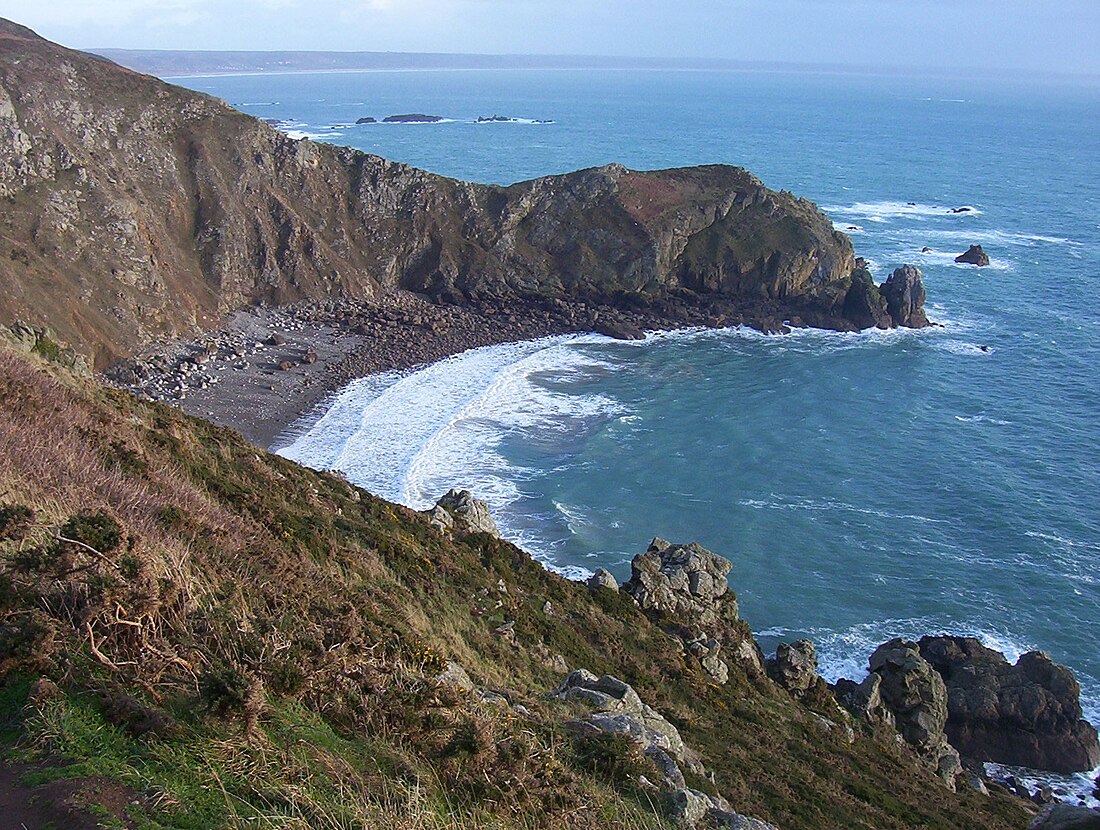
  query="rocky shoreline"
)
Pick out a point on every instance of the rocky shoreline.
point(269, 367)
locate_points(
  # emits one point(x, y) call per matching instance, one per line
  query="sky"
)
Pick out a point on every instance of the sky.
point(1060, 36)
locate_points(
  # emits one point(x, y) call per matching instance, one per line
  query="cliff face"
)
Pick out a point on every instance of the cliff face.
point(135, 210)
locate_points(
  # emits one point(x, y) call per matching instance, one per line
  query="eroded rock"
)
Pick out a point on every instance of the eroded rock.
point(464, 508)
point(1027, 714)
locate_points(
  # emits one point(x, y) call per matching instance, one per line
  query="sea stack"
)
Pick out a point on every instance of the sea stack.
point(975, 255)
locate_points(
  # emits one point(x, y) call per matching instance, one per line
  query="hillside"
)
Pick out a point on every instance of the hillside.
point(234, 640)
point(135, 210)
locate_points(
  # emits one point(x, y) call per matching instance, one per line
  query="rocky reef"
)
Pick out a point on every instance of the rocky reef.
point(139, 211)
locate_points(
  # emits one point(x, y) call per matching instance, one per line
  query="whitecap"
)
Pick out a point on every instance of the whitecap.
point(884, 211)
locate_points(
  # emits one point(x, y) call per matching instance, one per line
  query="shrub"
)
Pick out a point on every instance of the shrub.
point(96, 530)
point(15, 520)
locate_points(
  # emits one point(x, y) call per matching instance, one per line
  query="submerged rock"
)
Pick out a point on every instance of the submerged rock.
point(1027, 714)
point(975, 255)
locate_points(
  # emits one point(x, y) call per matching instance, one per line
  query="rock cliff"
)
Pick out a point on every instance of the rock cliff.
point(136, 210)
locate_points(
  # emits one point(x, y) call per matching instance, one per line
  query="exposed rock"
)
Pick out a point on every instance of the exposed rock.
point(1066, 817)
point(1028, 714)
point(686, 582)
point(975, 255)
point(917, 696)
point(412, 118)
point(864, 700)
point(42, 342)
point(904, 295)
point(707, 649)
point(472, 512)
point(621, 711)
point(440, 518)
point(603, 578)
point(794, 666)
point(366, 120)
point(619, 329)
point(864, 304)
point(456, 677)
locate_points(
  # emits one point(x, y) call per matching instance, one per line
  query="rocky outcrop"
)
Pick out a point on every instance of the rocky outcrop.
point(686, 582)
point(618, 710)
point(794, 666)
point(603, 578)
point(916, 696)
point(1066, 817)
point(864, 304)
point(975, 255)
point(139, 211)
point(904, 294)
point(686, 586)
point(42, 342)
point(461, 506)
point(1027, 714)
point(864, 701)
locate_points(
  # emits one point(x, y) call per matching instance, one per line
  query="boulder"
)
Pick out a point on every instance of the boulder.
point(794, 666)
point(1027, 714)
point(619, 329)
point(916, 695)
point(975, 255)
point(686, 582)
point(474, 513)
point(904, 295)
point(1065, 817)
point(603, 578)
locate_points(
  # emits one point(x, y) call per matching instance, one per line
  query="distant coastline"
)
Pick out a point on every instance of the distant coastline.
point(169, 64)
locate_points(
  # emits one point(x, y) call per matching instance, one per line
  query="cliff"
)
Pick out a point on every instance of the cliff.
point(135, 210)
point(195, 633)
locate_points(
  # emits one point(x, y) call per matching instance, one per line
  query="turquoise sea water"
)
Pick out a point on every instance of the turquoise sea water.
point(865, 486)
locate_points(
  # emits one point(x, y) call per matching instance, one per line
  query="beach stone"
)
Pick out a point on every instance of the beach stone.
point(1028, 714)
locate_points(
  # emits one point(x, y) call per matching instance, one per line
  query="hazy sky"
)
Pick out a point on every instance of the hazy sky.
point(1053, 35)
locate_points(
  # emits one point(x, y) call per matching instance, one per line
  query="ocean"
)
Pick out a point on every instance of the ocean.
point(865, 485)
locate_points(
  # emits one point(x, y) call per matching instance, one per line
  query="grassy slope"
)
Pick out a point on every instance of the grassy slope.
point(244, 642)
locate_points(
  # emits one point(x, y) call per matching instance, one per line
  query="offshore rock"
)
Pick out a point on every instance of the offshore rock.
point(463, 507)
point(975, 255)
point(916, 695)
point(1027, 714)
point(686, 582)
point(904, 294)
point(1066, 817)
